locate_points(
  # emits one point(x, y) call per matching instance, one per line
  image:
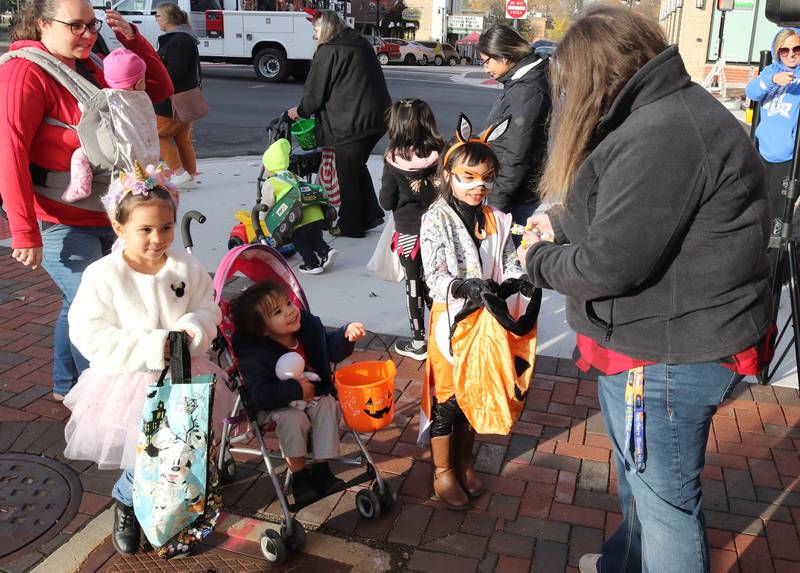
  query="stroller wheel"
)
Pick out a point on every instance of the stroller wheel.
point(367, 504)
point(297, 542)
point(389, 496)
point(228, 472)
point(273, 547)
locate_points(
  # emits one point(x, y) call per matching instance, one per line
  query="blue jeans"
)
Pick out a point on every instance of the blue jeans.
point(123, 489)
point(66, 253)
point(663, 527)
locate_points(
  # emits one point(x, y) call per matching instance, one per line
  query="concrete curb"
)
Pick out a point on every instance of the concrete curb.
point(233, 533)
point(487, 83)
point(74, 552)
point(243, 535)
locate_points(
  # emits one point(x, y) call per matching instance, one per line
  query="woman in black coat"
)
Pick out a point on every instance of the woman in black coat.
point(508, 58)
point(178, 50)
point(657, 236)
point(346, 91)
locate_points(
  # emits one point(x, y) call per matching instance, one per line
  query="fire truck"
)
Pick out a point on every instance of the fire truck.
point(276, 44)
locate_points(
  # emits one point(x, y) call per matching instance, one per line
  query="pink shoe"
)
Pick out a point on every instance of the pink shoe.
point(80, 182)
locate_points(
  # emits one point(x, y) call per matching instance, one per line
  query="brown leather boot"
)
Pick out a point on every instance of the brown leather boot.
point(464, 438)
point(445, 484)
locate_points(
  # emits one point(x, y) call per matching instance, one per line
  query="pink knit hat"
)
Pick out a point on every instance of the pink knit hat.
point(122, 69)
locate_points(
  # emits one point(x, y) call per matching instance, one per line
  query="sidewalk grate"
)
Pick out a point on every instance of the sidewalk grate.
point(38, 498)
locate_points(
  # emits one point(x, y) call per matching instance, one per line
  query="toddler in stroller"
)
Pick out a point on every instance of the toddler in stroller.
point(272, 318)
point(269, 325)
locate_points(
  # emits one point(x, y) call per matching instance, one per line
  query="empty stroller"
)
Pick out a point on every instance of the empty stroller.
point(259, 263)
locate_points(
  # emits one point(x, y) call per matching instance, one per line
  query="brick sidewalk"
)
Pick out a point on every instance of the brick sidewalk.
point(550, 495)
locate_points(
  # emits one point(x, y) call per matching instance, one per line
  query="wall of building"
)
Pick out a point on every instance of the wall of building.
point(696, 31)
point(427, 10)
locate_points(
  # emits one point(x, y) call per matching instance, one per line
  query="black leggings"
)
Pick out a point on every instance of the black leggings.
point(416, 294)
point(444, 416)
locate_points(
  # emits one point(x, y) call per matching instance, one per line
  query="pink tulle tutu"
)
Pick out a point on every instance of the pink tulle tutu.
point(107, 413)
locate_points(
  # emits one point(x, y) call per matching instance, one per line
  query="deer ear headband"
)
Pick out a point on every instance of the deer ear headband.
point(464, 134)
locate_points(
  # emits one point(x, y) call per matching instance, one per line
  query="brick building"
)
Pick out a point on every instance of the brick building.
point(694, 26)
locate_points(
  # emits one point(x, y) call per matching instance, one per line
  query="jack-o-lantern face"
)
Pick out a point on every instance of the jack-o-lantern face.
point(379, 407)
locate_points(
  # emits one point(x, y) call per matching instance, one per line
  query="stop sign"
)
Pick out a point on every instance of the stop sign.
point(516, 8)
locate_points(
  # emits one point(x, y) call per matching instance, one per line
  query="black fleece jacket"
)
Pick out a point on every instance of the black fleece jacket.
point(663, 235)
point(408, 187)
point(258, 356)
point(522, 148)
point(178, 51)
point(345, 88)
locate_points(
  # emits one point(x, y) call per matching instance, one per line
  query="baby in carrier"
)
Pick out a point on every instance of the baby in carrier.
point(133, 118)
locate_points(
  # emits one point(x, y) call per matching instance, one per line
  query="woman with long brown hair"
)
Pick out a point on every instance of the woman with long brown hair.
point(657, 235)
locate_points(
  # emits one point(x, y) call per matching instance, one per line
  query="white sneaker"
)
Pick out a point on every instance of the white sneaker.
point(184, 181)
point(589, 562)
point(328, 258)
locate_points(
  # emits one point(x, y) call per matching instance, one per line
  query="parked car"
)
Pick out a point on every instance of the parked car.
point(544, 47)
point(411, 52)
point(442, 53)
point(385, 51)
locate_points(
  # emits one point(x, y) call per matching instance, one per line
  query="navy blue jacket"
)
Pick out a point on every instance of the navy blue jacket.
point(258, 356)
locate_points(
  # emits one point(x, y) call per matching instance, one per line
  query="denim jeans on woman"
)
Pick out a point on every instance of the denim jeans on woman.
point(66, 253)
point(663, 527)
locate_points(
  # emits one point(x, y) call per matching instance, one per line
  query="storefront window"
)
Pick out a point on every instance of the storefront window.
point(747, 32)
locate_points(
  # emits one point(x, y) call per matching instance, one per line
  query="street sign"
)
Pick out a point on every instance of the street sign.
point(461, 24)
point(516, 9)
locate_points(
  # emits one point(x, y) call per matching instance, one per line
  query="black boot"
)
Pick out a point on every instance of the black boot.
point(303, 488)
point(324, 480)
point(125, 535)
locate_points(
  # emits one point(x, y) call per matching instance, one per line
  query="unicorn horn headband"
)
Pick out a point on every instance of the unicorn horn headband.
point(464, 134)
point(140, 181)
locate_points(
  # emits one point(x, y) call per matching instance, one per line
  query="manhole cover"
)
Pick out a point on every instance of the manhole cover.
point(38, 498)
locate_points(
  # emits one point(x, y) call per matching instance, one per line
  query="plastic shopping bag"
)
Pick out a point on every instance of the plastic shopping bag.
point(384, 262)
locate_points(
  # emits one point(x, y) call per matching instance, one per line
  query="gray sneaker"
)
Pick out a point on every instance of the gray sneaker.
point(414, 349)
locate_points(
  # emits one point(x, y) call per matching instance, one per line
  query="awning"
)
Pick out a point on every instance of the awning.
point(470, 40)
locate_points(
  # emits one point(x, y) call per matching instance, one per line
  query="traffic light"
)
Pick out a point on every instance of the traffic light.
point(725, 5)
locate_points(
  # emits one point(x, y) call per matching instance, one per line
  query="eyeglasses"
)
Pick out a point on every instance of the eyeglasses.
point(79, 28)
point(784, 52)
point(485, 61)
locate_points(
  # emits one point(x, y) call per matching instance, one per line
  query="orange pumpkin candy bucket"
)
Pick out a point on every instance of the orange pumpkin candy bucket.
point(366, 394)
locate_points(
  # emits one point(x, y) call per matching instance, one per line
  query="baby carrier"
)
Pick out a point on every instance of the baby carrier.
point(99, 124)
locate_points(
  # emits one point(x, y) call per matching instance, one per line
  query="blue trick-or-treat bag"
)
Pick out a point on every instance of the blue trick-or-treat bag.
point(171, 478)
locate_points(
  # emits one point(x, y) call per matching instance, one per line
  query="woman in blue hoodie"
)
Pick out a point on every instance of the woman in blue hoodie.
point(777, 87)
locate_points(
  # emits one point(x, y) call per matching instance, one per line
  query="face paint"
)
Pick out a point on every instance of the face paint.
point(467, 179)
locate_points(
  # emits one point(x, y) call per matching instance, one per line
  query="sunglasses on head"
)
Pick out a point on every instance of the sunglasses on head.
point(783, 52)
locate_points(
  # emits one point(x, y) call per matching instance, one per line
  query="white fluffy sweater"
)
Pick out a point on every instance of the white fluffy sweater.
point(120, 318)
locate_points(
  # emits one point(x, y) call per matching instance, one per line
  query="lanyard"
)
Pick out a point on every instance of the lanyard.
point(634, 416)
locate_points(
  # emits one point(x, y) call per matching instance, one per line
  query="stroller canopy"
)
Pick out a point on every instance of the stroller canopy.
point(258, 263)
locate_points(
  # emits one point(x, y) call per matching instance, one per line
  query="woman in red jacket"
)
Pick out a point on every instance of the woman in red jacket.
point(35, 158)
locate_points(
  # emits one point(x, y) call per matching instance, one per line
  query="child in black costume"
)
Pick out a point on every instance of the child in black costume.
point(408, 188)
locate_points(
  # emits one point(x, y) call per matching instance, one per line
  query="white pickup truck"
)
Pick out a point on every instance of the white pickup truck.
point(277, 44)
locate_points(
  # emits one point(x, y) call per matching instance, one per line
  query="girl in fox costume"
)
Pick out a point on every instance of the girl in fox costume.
point(466, 250)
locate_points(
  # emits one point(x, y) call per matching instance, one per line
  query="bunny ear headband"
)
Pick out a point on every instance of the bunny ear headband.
point(139, 182)
point(464, 134)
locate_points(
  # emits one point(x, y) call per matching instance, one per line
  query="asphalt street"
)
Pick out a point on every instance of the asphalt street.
point(241, 107)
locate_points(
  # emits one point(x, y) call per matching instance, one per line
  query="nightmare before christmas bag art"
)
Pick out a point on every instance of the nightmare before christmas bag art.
point(176, 490)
